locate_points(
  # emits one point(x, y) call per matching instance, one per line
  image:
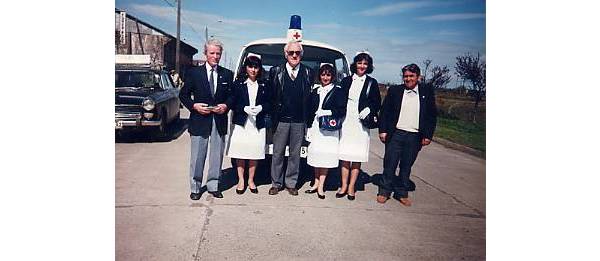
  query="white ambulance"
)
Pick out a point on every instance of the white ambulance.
point(315, 53)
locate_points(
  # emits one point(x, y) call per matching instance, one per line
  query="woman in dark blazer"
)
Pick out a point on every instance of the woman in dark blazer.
point(327, 99)
point(251, 104)
point(363, 106)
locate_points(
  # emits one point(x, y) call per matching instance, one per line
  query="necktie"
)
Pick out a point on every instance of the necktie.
point(293, 75)
point(211, 82)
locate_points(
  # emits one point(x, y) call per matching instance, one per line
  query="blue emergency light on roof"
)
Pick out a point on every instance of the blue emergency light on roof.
point(295, 22)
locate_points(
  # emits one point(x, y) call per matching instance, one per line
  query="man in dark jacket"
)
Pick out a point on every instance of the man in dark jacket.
point(407, 121)
point(207, 94)
point(290, 85)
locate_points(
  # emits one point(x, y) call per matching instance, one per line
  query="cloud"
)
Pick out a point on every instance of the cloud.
point(198, 20)
point(452, 17)
point(325, 26)
point(395, 8)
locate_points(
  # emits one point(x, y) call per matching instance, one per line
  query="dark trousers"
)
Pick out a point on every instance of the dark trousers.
point(400, 151)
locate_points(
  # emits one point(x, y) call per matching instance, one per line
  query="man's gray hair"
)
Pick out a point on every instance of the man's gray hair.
point(287, 45)
point(213, 42)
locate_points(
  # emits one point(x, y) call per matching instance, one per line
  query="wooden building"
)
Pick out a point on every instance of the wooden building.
point(133, 36)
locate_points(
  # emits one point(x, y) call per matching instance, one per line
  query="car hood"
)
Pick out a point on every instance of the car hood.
point(131, 96)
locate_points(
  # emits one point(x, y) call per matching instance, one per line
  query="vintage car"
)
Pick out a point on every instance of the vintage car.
point(315, 53)
point(145, 96)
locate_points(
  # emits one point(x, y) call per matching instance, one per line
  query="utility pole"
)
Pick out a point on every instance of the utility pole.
point(177, 44)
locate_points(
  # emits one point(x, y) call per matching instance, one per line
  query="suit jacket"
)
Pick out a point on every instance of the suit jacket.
point(241, 99)
point(392, 104)
point(336, 101)
point(196, 89)
point(371, 99)
point(275, 82)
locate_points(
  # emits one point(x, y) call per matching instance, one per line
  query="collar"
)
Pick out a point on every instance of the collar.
point(248, 81)
point(208, 67)
point(360, 78)
point(415, 90)
point(289, 67)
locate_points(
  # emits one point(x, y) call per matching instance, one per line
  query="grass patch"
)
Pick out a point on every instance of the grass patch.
point(462, 132)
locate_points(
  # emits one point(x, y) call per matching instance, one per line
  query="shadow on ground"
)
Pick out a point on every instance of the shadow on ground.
point(262, 178)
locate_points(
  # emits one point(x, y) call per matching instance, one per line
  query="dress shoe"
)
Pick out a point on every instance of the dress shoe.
point(340, 195)
point(311, 191)
point(351, 197)
point(273, 191)
point(382, 199)
point(253, 190)
point(320, 196)
point(293, 191)
point(216, 194)
point(195, 196)
point(240, 191)
point(405, 202)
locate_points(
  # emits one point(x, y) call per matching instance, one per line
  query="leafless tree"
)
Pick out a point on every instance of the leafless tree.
point(440, 77)
point(427, 62)
point(471, 68)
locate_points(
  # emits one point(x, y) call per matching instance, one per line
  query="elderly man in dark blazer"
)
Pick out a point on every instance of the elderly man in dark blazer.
point(290, 85)
point(207, 94)
point(406, 123)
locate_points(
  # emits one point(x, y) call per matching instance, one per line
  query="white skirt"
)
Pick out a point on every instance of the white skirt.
point(247, 142)
point(323, 147)
point(354, 137)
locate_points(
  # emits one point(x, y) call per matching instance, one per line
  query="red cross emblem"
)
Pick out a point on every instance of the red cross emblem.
point(332, 122)
point(296, 35)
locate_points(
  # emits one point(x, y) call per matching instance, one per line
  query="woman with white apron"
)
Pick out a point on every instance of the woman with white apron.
point(328, 103)
point(248, 138)
point(363, 105)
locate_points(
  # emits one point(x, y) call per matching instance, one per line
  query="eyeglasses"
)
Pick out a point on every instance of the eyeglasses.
point(291, 53)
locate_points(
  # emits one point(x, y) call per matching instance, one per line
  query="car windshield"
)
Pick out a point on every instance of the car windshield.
point(136, 79)
point(272, 55)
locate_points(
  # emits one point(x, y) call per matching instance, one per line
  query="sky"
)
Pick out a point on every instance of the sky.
point(396, 33)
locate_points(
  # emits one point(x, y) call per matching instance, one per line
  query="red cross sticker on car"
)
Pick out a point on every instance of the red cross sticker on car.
point(296, 35)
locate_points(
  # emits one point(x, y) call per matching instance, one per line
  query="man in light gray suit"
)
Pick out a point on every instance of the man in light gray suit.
point(207, 94)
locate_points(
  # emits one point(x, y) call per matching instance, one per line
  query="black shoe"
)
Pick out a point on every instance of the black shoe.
point(253, 190)
point(310, 191)
point(240, 191)
point(293, 191)
point(195, 196)
point(273, 191)
point(320, 196)
point(216, 194)
point(340, 195)
point(350, 197)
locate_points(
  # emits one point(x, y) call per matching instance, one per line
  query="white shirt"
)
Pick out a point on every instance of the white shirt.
point(293, 72)
point(409, 112)
point(356, 87)
point(252, 91)
point(215, 74)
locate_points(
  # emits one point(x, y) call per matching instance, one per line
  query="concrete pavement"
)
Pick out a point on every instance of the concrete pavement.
point(156, 220)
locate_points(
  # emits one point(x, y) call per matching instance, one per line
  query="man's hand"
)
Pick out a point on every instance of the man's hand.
point(220, 109)
point(382, 136)
point(201, 108)
point(425, 142)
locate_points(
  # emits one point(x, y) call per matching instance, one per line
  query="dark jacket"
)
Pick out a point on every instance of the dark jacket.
point(241, 99)
point(371, 99)
point(336, 101)
point(392, 104)
point(275, 82)
point(196, 85)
